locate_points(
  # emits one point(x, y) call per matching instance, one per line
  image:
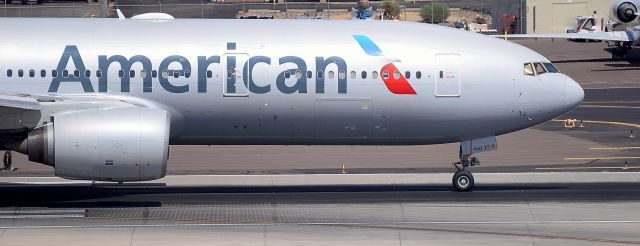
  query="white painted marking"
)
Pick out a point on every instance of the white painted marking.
point(321, 223)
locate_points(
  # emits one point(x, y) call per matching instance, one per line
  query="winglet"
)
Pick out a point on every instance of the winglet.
point(368, 45)
point(120, 15)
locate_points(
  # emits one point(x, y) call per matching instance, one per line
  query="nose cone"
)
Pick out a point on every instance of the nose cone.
point(573, 94)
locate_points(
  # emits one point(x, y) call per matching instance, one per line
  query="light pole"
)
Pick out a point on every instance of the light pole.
point(328, 10)
point(431, 12)
point(405, 10)
point(442, 11)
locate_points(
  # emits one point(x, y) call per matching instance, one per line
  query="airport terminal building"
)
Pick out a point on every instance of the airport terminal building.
point(547, 16)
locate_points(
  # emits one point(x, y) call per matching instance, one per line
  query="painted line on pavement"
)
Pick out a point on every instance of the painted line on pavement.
point(601, 158)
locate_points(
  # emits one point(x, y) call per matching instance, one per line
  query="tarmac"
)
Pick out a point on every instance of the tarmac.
point(548, 185)
point(566, 208)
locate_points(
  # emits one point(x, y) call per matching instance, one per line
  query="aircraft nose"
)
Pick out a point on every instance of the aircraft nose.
point(573, 94)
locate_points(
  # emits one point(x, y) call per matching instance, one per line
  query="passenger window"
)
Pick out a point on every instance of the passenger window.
point(540, 68)
point(154, 73)
point(54, 73)
point(20, 73)
point(187, 74)
point(298, 74)
point(319, 74)
point(407, 75)
point(120, 73)
point(165, 74)
point(143, 74)
point(418, 75)
point(99, 73)
point(43, 73)
point(9, 73)
point(528, 69)
point(65, 73)
point(363, 74)
point(385, 74)
point(309, 74)
point(287, 74)
point(353, 74)
point(551, 68)
point(176, 74)
point(396, 74)
point(342, 75)
point(132, 73)
point(76, 73)
point(331, 75)
point(209, 74)
point(87, 73)
point(374, 74)
point(32, 73)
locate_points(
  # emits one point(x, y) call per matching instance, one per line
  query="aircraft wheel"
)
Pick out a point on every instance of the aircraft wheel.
point(7, 160)
point(463, 181)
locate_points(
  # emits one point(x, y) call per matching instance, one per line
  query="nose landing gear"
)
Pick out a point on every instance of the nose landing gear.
point(463, 179)
point(7, 161)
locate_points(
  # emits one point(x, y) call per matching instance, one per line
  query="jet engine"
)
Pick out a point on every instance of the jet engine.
point(114, 144)
point(625, 10)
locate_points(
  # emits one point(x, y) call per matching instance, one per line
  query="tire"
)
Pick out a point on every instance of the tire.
point(7, 160)
point(463, 181)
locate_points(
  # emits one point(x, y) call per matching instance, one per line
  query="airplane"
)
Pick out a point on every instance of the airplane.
point(104, 99)
point(624, 12)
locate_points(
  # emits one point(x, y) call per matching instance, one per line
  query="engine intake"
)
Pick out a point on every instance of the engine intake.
point(625, 10)
point(116, 144)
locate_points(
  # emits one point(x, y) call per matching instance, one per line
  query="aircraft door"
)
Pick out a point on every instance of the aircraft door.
point(236, 75)
point(448, 75)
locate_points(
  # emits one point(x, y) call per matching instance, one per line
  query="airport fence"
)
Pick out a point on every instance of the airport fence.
point(409, 9)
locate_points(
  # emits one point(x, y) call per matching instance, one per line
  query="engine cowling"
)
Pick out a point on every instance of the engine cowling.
point(625, 10)
point(115, 144)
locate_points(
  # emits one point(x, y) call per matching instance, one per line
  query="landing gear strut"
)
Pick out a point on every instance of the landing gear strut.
point(620, 51)
point(7, 160)
point(463, 179)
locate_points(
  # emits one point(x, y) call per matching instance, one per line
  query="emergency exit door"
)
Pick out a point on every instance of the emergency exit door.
point(448, 75)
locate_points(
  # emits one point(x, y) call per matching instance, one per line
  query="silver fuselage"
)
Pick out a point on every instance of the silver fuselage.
point(471, 86)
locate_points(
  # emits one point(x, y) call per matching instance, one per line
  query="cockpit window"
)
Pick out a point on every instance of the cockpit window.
point(540, 68)
point(551, 68)
point(528, 69)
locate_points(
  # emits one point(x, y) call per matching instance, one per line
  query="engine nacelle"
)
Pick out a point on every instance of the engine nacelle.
point(115, 144)
point(625, 10)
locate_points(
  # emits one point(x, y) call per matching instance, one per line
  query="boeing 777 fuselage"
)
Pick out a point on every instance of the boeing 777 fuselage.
point(102, 99)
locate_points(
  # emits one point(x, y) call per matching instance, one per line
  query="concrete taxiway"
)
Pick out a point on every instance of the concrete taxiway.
point(399, 209)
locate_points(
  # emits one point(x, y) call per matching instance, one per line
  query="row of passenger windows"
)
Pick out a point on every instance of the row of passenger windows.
point(98, 73)
point(353, 74)
point(165, 74)
point(538, 68)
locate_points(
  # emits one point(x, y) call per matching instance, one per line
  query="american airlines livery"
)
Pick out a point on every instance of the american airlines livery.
point(103, 99)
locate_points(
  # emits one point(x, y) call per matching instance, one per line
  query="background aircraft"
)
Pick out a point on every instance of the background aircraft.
point(103, 99)
point(625, 12)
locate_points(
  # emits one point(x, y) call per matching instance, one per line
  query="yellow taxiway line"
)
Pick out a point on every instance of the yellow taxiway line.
point(601, 158)
point(606, 122)
point(614, 148)
point(586, 168)
point(608, 106)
